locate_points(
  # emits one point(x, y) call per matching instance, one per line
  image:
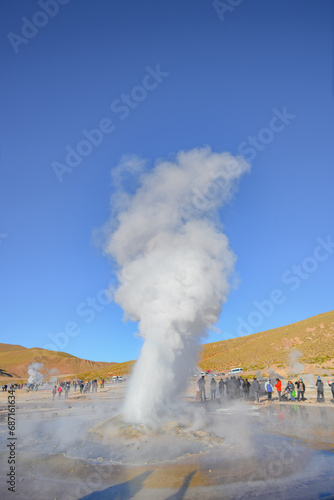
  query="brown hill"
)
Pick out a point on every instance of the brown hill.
point(15, 359)
point(310, 342)
point(108, 372)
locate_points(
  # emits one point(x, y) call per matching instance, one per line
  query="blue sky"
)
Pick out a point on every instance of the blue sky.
point(256, 78)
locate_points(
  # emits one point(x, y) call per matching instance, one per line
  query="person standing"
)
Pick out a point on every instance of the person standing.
point(201, 384)
point(221, 386)
point(320, 391)
point(300, 389)
point(246, 387)
point(54, 391)
point(269, 389)
point(256, 389)
point(291, 390)
point(278, 386)
point(332, 387)
point(228, 388)
point(235, 387)
point(213, 385)
point(241, 387)
point(198, 397)
point(60, 390)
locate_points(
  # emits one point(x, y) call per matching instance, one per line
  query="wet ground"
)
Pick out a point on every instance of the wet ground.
point(81, 449)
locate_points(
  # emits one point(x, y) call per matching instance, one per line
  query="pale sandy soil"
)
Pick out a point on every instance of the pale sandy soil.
point(23, 395)
point(262, 451)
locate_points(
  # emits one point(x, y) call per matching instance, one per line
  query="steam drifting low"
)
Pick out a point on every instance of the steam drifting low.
point(35, 377)
point(173, 265)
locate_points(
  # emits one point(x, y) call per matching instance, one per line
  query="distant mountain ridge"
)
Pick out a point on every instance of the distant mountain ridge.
point(15, 359)
point(309, 342)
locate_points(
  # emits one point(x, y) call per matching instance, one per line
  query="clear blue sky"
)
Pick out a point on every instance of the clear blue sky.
point(225, 78)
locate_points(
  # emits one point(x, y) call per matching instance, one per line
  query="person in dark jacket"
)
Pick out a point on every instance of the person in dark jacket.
point(235, 385)
point(246, 386)
point(228, 387)
point(290, 389)
point(301, 389)
point(332, 387)
point(221, 386)
point(256, 389)
point(320, 390)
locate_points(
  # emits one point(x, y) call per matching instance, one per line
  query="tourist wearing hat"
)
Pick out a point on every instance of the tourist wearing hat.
point(269, 389)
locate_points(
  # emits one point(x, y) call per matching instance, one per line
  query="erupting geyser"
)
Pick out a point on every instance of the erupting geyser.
point(173, 266)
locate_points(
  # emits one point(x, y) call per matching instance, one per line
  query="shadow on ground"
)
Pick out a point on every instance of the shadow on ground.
point(180, 494)
point(123, 491)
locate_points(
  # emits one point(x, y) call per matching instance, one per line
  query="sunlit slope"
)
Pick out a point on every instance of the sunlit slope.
point(16, 359)
point(107, 372)
point(313, 338)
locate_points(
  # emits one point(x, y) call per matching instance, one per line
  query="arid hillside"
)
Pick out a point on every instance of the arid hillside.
point(309, 342)
point(306, 346)
point(108, 371)
point(15, 359)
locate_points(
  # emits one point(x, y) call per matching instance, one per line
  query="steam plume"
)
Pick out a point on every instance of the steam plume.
point(295, 366)
point(173, 266)
point(35, 377)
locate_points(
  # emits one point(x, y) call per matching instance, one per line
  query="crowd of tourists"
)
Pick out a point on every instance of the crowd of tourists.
point(11, 387)
point(14, 387)
point(295, 391)
point(241, 388)
point(62, 387)
point(82, 385)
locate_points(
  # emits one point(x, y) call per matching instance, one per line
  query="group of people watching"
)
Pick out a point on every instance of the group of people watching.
point(84, 387)
point(11, 387)
point(62, 387)
point(296, 391)
point(236, 388)
point(231, 388)
point(290, 390)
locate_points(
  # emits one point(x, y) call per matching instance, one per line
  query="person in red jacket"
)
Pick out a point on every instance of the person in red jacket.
point(278, 386)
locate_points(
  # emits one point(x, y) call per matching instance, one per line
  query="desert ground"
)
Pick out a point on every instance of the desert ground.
point(80, 448)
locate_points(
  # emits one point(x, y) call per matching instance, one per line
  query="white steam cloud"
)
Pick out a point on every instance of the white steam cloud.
point(35, 377)
point(295, 366)
point(173, 266)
